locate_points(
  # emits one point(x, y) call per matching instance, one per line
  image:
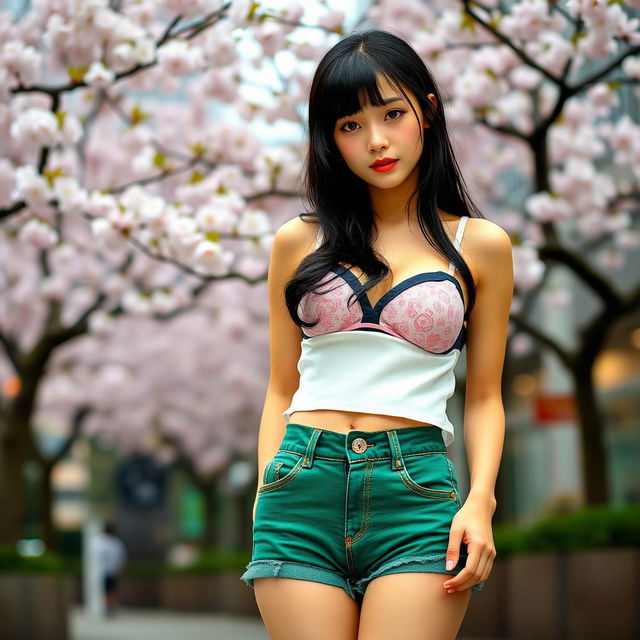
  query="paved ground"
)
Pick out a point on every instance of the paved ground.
point(151, 624)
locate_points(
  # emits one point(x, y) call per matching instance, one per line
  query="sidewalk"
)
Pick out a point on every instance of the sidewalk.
point(153, 624)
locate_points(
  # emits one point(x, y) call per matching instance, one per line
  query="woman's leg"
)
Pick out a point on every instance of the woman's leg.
point(294, 609)
point(411, 606)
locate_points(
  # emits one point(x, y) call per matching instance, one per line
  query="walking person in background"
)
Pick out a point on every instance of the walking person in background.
point(111, 555)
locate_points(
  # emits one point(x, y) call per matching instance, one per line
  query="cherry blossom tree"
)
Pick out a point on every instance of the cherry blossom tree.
point(127, 190)
point(535, 91)
point(187, 391)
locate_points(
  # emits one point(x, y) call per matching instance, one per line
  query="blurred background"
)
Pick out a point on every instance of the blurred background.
point(148, 152)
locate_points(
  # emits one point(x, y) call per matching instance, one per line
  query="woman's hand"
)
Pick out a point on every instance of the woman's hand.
point(471, 525)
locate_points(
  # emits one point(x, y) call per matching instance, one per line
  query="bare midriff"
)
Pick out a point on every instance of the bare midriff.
point(345, 421)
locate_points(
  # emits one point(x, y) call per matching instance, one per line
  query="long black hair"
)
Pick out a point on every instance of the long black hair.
point(344, 80)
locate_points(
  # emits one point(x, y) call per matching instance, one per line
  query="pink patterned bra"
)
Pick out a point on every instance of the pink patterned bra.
point(426, 309)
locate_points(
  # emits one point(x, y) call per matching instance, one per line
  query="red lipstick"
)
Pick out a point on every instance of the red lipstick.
point(384, 164)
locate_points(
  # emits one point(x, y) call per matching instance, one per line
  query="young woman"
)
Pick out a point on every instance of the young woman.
point(359, 529)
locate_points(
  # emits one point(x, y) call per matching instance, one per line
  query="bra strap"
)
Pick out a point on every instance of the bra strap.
point(458, 238)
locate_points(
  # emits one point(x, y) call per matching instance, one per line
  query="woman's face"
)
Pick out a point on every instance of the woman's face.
point(387, 131)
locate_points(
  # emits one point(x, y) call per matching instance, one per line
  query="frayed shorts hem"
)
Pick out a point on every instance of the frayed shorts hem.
point(297, 570)
point(411, 564)
point(288, 569)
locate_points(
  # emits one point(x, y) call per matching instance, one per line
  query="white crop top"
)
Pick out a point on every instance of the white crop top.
point(393, 358)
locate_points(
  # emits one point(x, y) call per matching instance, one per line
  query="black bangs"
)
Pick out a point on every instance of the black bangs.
point(349, 85)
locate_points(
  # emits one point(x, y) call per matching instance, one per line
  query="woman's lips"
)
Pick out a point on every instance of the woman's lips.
point(385, 167)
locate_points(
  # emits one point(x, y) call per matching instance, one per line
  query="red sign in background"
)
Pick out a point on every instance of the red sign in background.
point(554, 407)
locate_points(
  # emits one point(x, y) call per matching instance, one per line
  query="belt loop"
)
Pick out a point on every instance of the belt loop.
point(397, 462)
point(311, 446)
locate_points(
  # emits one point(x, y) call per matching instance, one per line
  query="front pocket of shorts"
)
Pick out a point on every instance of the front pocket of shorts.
point(281, 470)
point(454, 481)
point(429, 475)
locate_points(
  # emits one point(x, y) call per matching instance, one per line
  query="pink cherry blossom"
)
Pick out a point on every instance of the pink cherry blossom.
point(527, 19)
point(98, 75)
point(271, 36)
point(35, 128)
point(31, 187)
point(212, 258)
point(521, 344)
point(178, 58)
point(331, 20)
point(7, 181)
point(528, 268)
point(38, 234)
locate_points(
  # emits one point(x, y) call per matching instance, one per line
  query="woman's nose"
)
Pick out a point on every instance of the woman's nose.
point(377, 139)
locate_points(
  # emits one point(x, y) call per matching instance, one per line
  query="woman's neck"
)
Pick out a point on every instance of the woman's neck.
point(390, 205)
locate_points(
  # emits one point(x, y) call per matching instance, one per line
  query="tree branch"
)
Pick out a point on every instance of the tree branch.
point(167, 35)
point(509, 131)
point(523, 325)
point(155, 178)
point(14, 208)
point(203, 276)
point(596, 76)
point(504, 39)
point(631, 302)
point(78, 419)
point(11, 349)
point(585, 273)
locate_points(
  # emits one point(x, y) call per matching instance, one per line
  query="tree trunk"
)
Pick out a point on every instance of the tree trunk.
point(210, 502)
point(591, 427)
point(45, 505)
point(13, 455)
point(17, 447)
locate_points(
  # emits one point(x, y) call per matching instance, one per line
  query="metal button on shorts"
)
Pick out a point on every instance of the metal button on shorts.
point(359, 445)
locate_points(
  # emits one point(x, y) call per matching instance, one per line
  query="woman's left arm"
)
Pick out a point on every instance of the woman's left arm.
point(488, 249)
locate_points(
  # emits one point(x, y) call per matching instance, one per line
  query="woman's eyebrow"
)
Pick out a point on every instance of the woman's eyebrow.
point(390, 100)
point(384, 104)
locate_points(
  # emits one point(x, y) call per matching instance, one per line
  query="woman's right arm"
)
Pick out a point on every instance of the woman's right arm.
point(291, 242)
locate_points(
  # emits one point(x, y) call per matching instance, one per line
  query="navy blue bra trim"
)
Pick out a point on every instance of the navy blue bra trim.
point(427, 276)
point(371, 313)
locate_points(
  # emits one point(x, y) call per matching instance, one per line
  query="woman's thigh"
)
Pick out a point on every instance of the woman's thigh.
point(411, 606)
point(292, 609)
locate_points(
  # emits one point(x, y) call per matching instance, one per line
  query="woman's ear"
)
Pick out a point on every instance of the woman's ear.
point(434, 101)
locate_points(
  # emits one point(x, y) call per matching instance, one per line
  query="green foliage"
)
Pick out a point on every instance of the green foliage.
point(215, 560)
point(12, 562)
point(589, 528)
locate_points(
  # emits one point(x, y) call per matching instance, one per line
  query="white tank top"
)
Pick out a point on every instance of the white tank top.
point(394, 358)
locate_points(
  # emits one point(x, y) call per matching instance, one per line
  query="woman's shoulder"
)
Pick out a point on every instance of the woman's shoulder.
point(488, 245)
point(479, 231)
point(485, 235)
point(298, 234)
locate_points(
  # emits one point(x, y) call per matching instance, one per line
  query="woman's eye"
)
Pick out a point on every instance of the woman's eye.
point(346, 124)
point(342, 128)
point(400, 111)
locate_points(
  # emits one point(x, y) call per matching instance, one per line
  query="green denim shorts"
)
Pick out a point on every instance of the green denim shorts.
point(345, 508)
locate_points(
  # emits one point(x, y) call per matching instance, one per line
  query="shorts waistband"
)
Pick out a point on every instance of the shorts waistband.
point(357, 445)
